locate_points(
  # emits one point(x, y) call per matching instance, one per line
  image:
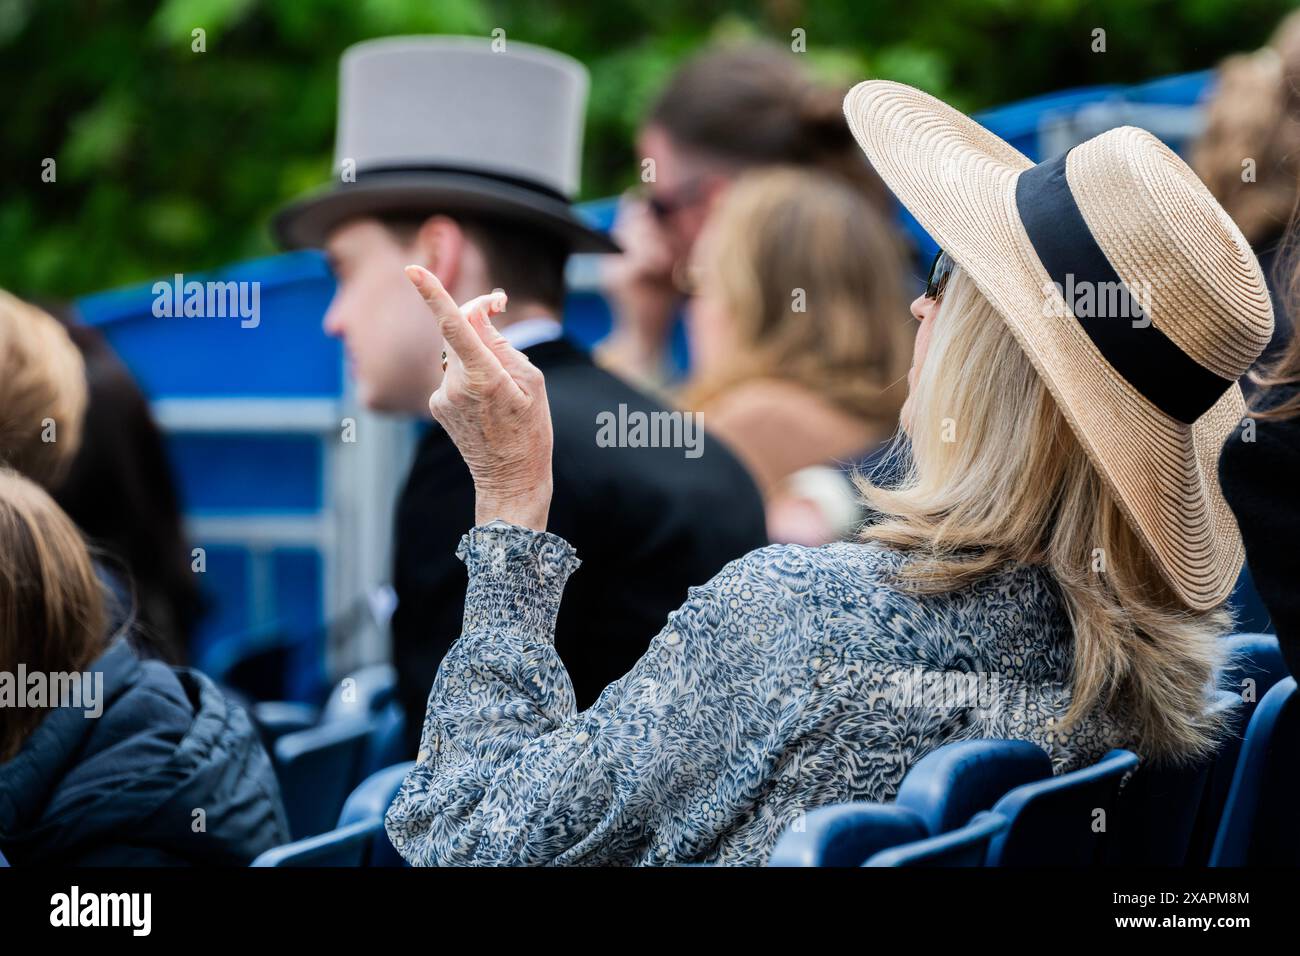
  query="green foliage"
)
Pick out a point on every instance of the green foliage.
point(170, 159)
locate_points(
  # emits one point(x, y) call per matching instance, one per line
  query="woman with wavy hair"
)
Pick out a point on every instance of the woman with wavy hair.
point(1060, 534)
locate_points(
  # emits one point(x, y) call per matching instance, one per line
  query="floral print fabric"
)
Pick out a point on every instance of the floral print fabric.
point(795, 678)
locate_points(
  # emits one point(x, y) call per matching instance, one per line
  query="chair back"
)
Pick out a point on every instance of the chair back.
point(845, 834)
point(964, 846)
point(370, 801)
point(948, 786)
point(346, 846)
point(1260, 826)
point(1167, 815)
point(1252, 664)
point(1063, 820)
point(317, 769)
point(362, 693)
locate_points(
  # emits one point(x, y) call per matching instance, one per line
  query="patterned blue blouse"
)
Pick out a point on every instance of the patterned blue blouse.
point(795, 678)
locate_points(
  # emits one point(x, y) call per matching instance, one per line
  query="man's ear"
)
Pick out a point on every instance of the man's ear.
point(440, 244)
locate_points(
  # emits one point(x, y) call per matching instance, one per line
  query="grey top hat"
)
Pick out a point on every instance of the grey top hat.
point(448, 124)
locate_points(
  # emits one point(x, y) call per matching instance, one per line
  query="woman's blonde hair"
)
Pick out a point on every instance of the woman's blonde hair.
point(1254, 115)
point(52, 614)
point(995, 477)
point(810, 275)
point(42, 392)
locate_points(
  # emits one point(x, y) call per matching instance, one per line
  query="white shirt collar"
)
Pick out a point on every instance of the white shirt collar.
point(533, 331)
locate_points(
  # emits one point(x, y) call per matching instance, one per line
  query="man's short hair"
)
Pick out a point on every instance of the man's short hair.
point(42, 393)
point(528, 263)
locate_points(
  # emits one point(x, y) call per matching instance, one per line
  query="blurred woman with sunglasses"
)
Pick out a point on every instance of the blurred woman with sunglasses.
point(727, 110)
point(799, 340)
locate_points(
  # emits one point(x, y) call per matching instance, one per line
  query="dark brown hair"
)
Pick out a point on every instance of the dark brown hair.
point(526, 262)
point(755, 105)
point(52, 616)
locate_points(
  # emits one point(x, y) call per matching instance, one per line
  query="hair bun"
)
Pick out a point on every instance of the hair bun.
point(821, 113)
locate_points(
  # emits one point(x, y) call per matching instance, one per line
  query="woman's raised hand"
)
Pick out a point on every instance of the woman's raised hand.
point(492, 402)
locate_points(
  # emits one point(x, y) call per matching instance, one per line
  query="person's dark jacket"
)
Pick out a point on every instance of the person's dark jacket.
point(169, 774)
point(648, 523)
point(1261, 480)
point(1277, 267)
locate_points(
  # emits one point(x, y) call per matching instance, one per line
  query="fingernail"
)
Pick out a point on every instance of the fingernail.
point(413, 273)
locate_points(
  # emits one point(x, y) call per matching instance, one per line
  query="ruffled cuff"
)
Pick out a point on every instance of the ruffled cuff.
point(516, 578)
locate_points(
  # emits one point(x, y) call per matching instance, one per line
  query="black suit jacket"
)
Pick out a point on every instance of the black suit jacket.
point(647, 523)
point(1260, 480)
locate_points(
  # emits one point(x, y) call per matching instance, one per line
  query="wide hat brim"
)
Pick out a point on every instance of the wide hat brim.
point(307, 222)
point(959, 181)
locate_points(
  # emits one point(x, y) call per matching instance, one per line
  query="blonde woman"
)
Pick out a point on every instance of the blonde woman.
point(43, 393)
point(1061, 535)
point(798, 329)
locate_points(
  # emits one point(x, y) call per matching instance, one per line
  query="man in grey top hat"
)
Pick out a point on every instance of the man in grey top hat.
point(465, 160)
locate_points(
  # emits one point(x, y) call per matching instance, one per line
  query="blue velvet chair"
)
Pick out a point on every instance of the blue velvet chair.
point(1251, 657)
point(846, 834)
point(387, 743)
point(1167, 814)
point(361, 693)
point(275, 718)
point(948, 786)
point(346, 846)
point(1053, 822)
point(1260, 826)
point(964, 846)
point(370, 693)
point(941, 792)
point(370, 801)
point(317, 769)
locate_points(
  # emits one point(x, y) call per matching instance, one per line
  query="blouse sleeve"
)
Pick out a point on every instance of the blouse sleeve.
point(510, 773)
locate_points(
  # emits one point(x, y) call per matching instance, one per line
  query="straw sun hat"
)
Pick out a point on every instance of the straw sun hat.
point(1146, 377)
